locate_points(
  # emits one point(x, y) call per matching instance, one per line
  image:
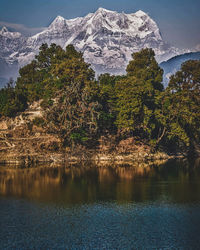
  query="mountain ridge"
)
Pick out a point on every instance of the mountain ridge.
point(106, 38)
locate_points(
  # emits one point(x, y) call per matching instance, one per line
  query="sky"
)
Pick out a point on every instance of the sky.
point(178, 20)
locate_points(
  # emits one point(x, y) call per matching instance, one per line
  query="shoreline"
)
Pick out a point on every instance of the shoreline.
point(22, 142)
point(94, 157)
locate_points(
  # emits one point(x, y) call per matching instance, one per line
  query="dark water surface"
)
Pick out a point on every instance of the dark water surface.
point(88, 207)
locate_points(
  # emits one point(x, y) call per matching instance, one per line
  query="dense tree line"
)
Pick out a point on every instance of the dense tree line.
point(81, 108)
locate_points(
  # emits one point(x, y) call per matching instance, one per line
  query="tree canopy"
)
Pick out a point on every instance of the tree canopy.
point(137, 95)
point(80, 108)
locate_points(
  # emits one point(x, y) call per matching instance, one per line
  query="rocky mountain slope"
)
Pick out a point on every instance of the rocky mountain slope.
point(107, 39)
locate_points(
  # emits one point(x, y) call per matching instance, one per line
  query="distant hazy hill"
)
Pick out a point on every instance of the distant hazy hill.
point(174, 64)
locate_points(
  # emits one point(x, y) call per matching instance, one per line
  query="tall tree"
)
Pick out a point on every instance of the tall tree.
point(52, 69)
point(184, 103)
point(107, 98)
point(11, 101)
point(74, 115)
point(137, 95)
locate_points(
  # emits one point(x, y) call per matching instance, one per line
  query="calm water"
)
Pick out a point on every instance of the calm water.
point(88, 207)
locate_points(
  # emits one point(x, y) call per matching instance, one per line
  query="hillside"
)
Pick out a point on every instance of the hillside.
point(172, 65)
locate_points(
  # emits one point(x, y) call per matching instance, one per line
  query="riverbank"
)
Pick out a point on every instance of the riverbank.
point(24, 141)
point(137, 158)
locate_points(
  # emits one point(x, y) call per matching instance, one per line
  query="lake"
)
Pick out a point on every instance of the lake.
point(100, 207)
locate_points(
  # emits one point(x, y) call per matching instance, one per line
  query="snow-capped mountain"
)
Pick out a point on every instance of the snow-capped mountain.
point(107, 39)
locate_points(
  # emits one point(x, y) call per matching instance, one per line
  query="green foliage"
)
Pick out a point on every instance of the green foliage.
point(184, 98)
point(137, 95)
point(80, 109)
point(74, 115)
point(52, 69)
point(144, 67)
point(107, 98)
point(173, 136)
point(11, 101)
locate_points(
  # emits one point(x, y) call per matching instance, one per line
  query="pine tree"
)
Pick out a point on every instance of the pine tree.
point(137, 94)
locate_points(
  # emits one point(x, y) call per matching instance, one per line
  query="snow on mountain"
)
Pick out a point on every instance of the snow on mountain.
point(10, 42)
point(10, 35)
point(107, 39)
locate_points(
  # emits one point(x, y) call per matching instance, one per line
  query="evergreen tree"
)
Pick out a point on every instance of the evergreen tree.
point(107, 98)
point(137, 95)
point(52, 69)
point(184, 104)
point(74, 116)
point(11, 101)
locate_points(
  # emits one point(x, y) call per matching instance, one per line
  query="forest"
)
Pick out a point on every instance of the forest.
point(80, 107)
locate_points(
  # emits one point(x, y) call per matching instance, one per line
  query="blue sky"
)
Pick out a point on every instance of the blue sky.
point(179, 20)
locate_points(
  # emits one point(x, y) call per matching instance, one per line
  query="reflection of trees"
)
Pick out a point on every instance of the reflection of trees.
point(75, 184)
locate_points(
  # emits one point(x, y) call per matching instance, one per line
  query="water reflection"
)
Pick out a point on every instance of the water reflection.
point(98, 207)
point(175, 182)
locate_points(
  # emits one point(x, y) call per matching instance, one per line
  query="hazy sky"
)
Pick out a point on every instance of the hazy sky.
point(179, 20)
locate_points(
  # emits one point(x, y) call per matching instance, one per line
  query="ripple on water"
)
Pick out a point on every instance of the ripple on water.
point(26, 225)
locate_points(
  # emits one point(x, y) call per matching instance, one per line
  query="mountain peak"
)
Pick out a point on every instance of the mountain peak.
point(4, 30)
point(59, 18)
point(106, 37)
point(58, 21)
point(6, 33)
point(102, 10)
point(140, 13)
